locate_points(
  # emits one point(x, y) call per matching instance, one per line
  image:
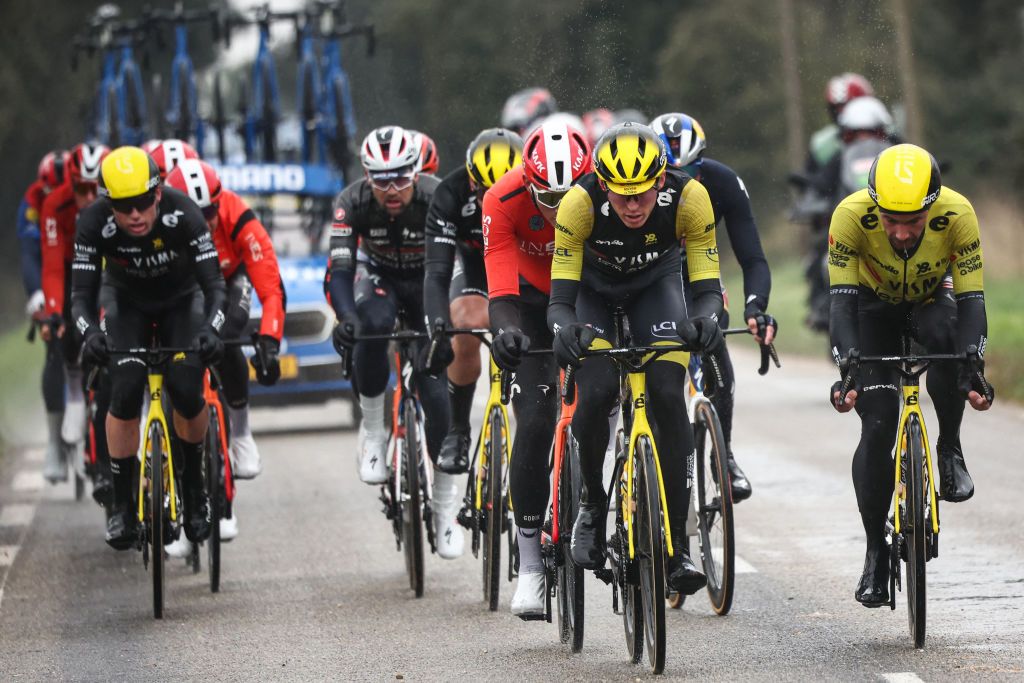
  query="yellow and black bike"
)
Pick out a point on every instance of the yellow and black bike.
point(914, 522)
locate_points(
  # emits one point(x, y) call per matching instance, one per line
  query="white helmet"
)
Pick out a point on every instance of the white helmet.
point(864, 113)
point(568, 118)
point(683, 136)
point(389, 148)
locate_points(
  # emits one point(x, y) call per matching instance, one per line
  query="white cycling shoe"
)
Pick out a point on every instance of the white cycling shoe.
point(528, 601)
point(73, 428)
point(245, 457)
point(228, 527)
point(181, 548)
point(373, 464)
point(445, 505)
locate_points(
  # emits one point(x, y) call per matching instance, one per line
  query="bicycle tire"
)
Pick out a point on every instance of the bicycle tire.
point(915, 532)
point(156, 515)
point(219, 117)
point(341, 145)
point(215, 491)
point(494, 509)
point(649, 541)
point(411, 500)
point(268, 117)
point(570, 576)
point(309, 112)
point(715, 528)
point(113, 122)
point(632, 611)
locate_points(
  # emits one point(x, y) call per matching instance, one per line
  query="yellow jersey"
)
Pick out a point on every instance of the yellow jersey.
point(860, 255)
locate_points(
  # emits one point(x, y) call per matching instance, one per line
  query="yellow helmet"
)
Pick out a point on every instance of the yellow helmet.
point(492, 154)
point(128, 172)
point(904, 179)
point(629, 158)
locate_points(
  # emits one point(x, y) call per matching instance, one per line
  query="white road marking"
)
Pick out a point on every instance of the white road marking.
point(35, 455)
point(7, 553)
point(17, 515)
point(902, 677)
point(31, 480)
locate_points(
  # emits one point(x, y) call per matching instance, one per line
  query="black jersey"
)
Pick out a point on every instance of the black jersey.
point(453, 225)
point(730, 201)
point(393, 244)
point(169, 263)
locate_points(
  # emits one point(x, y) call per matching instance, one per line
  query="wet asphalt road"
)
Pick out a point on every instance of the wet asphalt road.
point(313, 588)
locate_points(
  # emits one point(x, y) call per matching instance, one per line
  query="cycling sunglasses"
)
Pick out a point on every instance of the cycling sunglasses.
point(210, 211)
point(82, 189)
point(385, 180)
point(139, 203)
point(546, 198)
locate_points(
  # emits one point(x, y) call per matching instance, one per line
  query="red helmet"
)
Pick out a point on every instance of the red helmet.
point(170, 153)
point(199, 181)
point(52, 169)
point(429, 161)
point(554, 157)
point(84, 162)
point(527, 106)
point(845, 87)
point(149, 145)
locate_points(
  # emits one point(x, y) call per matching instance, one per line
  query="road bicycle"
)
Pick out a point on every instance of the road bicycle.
point(158, 500)
point(642, 536)
point(260, 105)
point(913, 525)
point(564, 578)
point(119, 114)
point(712, 518)
point(182, 113)
point(406, 494)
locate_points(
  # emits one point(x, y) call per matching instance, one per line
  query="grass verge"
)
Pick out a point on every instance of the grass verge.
point(21, 399)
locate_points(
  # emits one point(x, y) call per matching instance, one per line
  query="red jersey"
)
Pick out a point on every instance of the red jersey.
point(57, 239)
point(517, 239)
point(241, 239)
point(34, 196)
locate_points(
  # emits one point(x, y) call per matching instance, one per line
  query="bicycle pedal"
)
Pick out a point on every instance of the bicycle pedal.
point(465, 518)
point(604, 574)
point(532, 617)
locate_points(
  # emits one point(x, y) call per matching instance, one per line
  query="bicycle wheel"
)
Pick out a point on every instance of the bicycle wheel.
point(157, 472)
point(219, 117)
point(714, 508)
point(632, 611)
point(215, 490)
point(649, 544)
point(308, 112)
point(268, 117)
point(494, 509)
point(569, 576)
point(411, 501)
point(914, 530)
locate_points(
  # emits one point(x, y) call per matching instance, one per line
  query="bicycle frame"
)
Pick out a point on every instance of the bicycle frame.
point(561, 433)
point(493, 400)
point(182, 69)
point(912, 406)
point(262, 66)
point(637, 380)
point(212, 397)
point(403, 390)
point(156, 414)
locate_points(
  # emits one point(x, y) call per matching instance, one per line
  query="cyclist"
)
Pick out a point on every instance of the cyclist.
point(247, 261)
point(519, 217)
point(50, 175)
point(685, 140)
point(824, 147)
point(169, 153)
point(62, 380)
point(597, 121)
point(455, 286)
point(617, 245)
point(385, 212)
point(430, 162)
point(525, 107)
point(160, 274)
point(905, 247)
